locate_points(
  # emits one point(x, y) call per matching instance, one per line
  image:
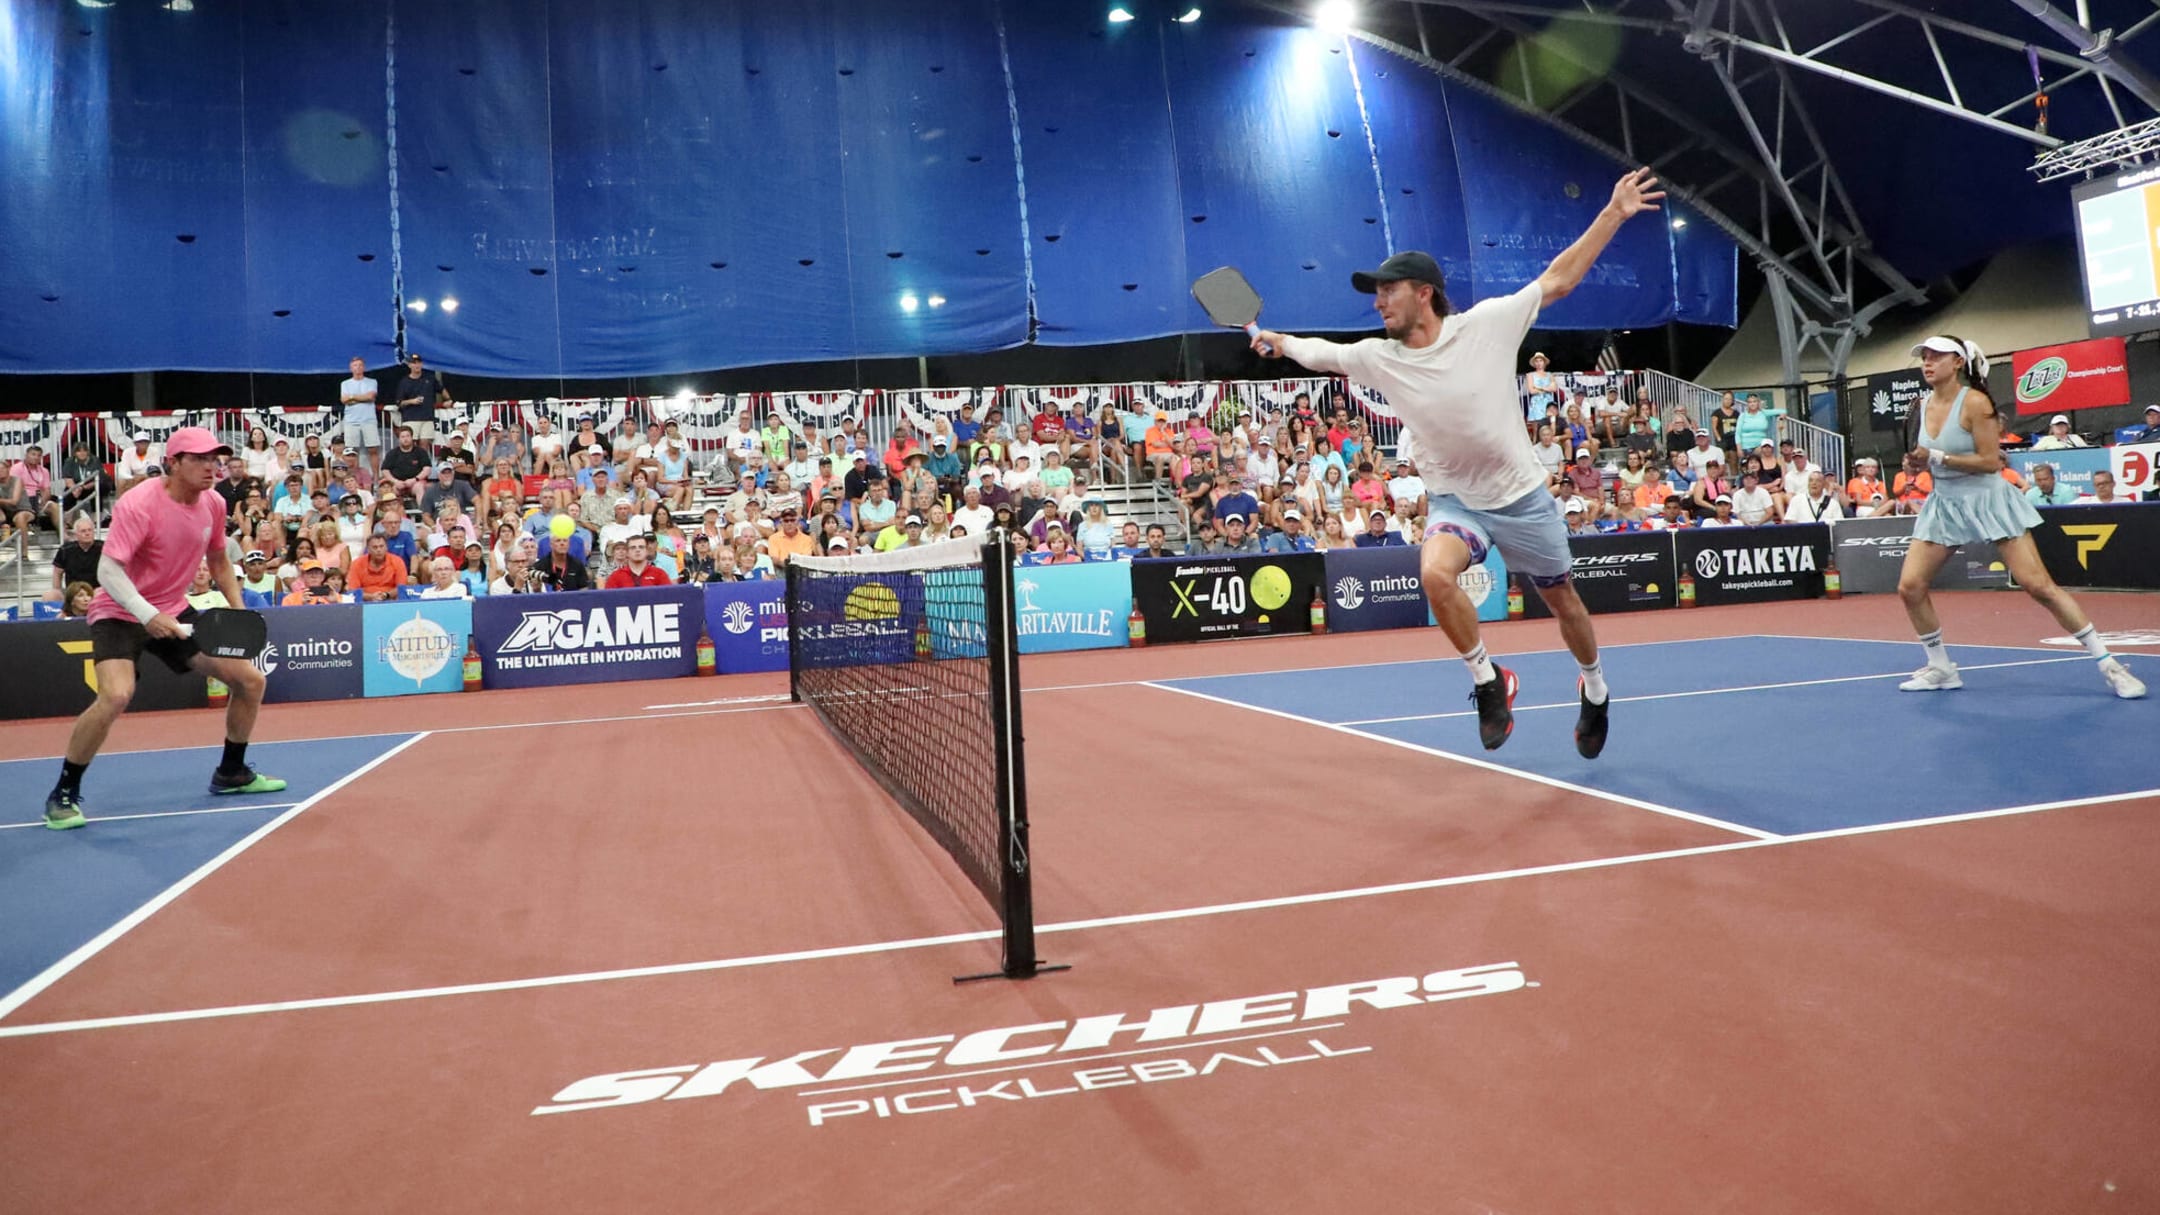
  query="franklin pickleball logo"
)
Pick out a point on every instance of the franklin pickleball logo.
point(2042, 379)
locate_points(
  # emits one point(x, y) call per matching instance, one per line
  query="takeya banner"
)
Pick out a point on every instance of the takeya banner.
point(2076, 375)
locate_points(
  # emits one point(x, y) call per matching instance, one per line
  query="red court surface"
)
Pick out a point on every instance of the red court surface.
point(1659, 1014)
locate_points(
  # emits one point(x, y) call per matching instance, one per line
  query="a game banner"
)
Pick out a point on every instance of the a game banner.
point(537, 641)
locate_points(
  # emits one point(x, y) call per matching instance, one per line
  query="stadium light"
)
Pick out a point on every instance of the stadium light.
point(684, 395)
point(416, 305)
point(1679, 223)
point(1188, 16)
point(180, 6)
point(936, 301)
point(449, 304)
point(1120, 15)
point(908, 302)
point(1335, 16)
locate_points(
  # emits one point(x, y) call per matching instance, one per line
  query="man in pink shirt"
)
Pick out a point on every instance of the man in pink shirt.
point(162, 530)
point(34, 476)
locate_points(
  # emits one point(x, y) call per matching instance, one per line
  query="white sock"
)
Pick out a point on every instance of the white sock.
point(1932, 643)
point(1593, 682)
point(2089, 637)
point(1481, 668)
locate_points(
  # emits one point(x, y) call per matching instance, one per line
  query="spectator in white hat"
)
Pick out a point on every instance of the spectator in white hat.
point(2151, 433)
point(2059, 436)
point(1577, 513)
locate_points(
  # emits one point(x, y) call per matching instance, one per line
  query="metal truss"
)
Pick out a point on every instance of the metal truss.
point(1778, 193)
point(2087, 156)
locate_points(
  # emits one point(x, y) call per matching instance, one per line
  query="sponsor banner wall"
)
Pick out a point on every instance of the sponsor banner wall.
point(1208, 598)
point(535, 641)
point(748, 625)
point(1617, 572)
point(1871, 555)
point(2136, 467)
point(2074, 466)
point(315, 653)
point(1892, 396)
point(2115, 546)
point(412, 648)
point(1379, 588)
point(1754, 564)
point(2077, 375)
point(1073, 607)
point(45, 671)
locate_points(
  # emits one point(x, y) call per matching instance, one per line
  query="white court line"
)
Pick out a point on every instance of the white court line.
point(1753, 687)
point(121, 818)
point(1487, 765)
point(1190, 1044)
point(40, 1029)
point(90, 949)
point(1910, 643)
point(785, 704)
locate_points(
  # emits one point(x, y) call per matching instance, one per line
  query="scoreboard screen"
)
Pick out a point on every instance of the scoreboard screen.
point(2118, 224)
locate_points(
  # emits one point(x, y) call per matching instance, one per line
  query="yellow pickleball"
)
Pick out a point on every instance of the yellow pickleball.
point(871, 601)
point(1270, 587)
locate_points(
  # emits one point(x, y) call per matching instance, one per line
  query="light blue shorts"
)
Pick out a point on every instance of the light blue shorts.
point(1529, 532)
point(360, 433)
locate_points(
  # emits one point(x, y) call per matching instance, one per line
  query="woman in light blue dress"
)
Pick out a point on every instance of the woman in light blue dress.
point(1959, 439)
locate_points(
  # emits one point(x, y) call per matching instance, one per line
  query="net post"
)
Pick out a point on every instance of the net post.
point(1001, 649)
point(791, 599)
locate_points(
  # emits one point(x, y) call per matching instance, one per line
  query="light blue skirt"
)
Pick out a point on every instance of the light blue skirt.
point(1978, 509)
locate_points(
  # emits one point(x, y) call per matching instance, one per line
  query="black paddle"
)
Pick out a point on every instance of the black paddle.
point(1231, 302)
point(229, 632)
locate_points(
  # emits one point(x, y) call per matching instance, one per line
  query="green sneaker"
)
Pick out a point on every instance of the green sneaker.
point(64, 810)
point(255, 782)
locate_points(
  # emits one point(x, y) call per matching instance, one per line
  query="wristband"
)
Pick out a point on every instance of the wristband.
point(1935, 458)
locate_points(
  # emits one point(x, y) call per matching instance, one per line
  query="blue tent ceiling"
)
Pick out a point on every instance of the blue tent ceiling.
point(612, 187)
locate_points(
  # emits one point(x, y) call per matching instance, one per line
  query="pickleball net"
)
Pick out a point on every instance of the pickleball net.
point(911, 659)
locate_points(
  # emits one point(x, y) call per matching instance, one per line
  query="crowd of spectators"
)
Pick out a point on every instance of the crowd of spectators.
point(463, 510)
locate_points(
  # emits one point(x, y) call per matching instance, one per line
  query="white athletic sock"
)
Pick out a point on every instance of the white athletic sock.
point(1932, 643)
point(1481, 668)
point(2089, 637)
point(1593, 682)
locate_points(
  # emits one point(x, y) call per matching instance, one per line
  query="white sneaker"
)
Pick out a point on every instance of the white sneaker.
point(1932, 678)
point(2126, 685)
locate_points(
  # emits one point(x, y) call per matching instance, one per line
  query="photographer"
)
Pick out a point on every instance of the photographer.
point(314, 586)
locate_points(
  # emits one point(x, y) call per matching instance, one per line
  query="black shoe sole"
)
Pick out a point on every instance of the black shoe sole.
point(1513, 686)
point(1591, 728)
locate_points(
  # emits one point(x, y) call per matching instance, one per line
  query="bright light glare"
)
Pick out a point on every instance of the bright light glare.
point(416, 305)
point(684, 394)
point(449, 304)
point(1335, 16)
point(908, 303)
point(1120, 15)
point(1188, 16)
point(97, 3)
point(1679, 224)
point(181, 6)
point(937, 301)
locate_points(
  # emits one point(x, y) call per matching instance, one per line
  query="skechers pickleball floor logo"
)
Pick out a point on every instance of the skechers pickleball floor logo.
point(2042, 379)
point(1270, 587)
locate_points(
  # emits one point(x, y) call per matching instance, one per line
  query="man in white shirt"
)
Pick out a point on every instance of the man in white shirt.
point(1816, 501)
point(1023, 480)
point(1702, 455)
point(1262, 468)
point(1406, 485)
point(973, 515)
point(2103, 491)
point(624, 525)
point(1753, 503)
point(135, 463)
point(1452, 381)
point(742, 443)
point(356, 414)
point(545, 444)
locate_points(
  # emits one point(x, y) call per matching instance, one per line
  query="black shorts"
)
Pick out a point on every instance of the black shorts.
point(126, 640)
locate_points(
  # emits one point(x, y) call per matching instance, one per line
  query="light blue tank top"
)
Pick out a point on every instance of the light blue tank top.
point(1955, 440)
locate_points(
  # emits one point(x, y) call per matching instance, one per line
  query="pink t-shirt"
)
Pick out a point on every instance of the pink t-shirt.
point(160, 543)
point(36, 482)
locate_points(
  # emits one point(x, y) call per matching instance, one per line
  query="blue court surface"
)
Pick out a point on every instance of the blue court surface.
point(60, 889)
point(1778, 735)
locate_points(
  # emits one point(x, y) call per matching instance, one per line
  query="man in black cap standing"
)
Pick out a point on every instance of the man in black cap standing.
point(1452, 377)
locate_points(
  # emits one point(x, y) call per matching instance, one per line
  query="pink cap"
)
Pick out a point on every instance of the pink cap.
point(195, 441)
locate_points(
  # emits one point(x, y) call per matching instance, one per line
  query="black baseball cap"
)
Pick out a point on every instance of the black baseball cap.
point(1412, 265)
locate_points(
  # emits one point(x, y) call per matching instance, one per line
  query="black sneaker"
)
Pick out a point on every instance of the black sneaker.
point(1495, 707)
point(1590, 727)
